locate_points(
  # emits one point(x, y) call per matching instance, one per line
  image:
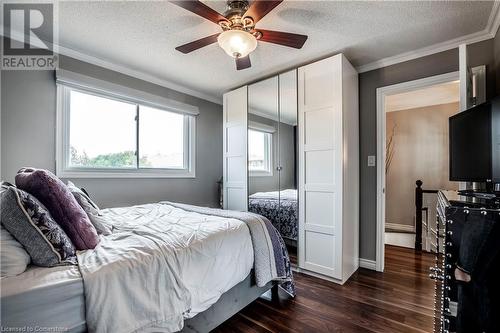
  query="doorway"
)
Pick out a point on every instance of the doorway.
point(411, 145)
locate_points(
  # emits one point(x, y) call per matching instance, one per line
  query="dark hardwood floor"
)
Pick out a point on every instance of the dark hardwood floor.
point(398, 300)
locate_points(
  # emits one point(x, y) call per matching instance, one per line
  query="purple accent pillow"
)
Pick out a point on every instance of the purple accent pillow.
point(62, 205)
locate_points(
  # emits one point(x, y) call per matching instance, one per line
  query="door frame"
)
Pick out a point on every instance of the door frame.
point(382, 92)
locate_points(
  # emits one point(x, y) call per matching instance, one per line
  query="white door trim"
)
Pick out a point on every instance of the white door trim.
point(381, 131)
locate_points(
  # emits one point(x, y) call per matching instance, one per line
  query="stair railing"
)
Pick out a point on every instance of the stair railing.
point(419, 201)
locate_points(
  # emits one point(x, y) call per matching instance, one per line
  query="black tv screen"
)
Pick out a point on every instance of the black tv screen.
point(474, 143)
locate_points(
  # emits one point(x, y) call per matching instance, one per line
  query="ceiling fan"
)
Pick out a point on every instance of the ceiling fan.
point(239, 36)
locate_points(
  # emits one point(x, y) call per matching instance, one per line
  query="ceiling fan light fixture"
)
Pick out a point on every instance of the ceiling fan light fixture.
point(237, 43)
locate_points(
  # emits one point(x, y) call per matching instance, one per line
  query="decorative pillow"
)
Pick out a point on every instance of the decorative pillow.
point(91, 209)
point(30, 223)
point(62, 205)
point(13, 257)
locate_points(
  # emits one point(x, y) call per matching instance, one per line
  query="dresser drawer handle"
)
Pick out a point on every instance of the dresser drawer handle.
point(436, 277)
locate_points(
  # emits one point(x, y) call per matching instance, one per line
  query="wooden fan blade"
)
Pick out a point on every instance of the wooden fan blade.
point(260, 8)
point(197, 44)
point(199, 8)
point(283, 38)
point(242, 63)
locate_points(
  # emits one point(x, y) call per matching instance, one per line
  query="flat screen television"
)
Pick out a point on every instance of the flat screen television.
point(475, 144)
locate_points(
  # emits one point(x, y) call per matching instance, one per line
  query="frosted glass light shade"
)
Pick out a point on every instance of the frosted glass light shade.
point(237, 43)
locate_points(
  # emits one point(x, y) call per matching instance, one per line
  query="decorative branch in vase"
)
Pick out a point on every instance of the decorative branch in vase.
point(390, 149)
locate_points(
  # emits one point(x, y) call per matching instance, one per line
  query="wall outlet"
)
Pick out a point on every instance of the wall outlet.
point(372, 160)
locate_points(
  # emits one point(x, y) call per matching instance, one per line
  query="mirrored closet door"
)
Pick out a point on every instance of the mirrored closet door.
point(272, 154)
point(298, 132)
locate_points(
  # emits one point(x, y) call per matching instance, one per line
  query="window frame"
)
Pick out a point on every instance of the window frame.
point(269, 155)
point(64, 170)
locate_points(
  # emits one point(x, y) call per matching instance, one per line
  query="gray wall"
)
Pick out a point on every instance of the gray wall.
point(440, 63)
point(435, 64)
point(482, 53)
point(28, 106)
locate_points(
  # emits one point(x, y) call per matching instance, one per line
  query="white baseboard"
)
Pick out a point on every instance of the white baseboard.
point(400, 239)
point(400, 227)
point(318, 275)
point(368, 264)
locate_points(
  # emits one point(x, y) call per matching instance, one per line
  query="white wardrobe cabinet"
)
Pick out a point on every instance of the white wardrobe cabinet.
point(234, 124)
point(328, 165)
point(328, 168)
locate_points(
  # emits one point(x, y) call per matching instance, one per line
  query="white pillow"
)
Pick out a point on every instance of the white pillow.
point(13, 257)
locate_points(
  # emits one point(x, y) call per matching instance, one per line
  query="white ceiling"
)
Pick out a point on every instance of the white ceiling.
point(141, 36)
point(438, 94)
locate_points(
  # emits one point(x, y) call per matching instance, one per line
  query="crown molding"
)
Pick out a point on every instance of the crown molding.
point(487, 33)
point(137, 74)
point(16, 35)
point(494, 20)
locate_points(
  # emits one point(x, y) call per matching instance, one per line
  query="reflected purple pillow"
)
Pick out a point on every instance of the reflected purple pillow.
point(62, 205)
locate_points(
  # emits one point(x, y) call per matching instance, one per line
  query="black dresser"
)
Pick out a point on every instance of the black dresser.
point(468, 236)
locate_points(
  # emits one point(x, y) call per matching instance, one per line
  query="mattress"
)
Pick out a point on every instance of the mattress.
point(44, 298)
point(279, 207)
point(219, 255)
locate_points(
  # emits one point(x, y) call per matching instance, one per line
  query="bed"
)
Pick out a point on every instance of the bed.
point(209, 256)
point(280, 207)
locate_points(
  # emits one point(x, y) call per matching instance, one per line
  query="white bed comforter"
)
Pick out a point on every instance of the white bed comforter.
point(146, 275)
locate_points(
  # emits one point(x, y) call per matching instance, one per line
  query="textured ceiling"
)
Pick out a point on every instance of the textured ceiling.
point(142, 35)
point(438, 94)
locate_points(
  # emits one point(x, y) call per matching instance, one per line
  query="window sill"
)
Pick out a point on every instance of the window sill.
point(112, 174)
point(260, 174)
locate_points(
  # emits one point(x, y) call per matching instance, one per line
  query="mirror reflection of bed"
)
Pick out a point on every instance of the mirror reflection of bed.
point(280, 207)
point(272, 154)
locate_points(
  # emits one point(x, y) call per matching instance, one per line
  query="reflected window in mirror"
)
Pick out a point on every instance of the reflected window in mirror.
point(260, 161)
